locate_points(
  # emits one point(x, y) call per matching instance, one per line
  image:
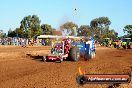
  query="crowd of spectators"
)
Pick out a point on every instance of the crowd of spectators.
point(23, 41)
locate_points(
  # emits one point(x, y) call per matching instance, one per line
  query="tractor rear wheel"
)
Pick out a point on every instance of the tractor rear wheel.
point(128, 46)
point(124, 46)
point(74, 54)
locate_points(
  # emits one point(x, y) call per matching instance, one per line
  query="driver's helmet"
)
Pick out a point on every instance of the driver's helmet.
point(58, 46)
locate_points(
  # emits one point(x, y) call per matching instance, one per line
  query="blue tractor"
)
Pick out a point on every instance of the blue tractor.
point(87, 49)
point(70, 49)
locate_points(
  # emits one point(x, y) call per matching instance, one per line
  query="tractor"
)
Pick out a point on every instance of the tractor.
point(126, 43)
point(107, 42)
point(69, 49)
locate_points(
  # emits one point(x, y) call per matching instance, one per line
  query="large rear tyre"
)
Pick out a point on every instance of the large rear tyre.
point(74, 54)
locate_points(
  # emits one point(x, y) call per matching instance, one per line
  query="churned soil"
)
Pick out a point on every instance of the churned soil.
point(20, 69)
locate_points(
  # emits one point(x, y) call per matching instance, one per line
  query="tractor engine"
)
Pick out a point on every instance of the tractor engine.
point(57, 49)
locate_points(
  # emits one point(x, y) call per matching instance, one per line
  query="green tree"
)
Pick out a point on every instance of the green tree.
point(11, 33)
point(19, 32)
point(31, 26)
point(101, 24)
point(68, 28)
point(84, 30)
point(2, 34)
point(47, 29)
point(128, 29)
point(100, 27)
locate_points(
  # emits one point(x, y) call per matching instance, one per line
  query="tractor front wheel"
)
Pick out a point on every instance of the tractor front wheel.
point(124, 46)
point(44, 58)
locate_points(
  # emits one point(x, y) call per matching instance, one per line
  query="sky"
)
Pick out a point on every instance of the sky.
point(57, 12)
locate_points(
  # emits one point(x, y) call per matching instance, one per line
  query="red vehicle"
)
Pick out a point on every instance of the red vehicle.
point(63, 50)
point(68, 49)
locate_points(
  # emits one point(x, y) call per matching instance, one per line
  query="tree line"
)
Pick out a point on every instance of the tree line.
point(30, 27)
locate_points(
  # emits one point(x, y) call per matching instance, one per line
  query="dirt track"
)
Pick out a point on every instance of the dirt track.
point(17, 70)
